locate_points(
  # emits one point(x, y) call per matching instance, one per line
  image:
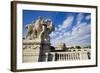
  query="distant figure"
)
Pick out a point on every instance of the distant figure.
point(52, 48)
point(64, 47)
point(88, 54)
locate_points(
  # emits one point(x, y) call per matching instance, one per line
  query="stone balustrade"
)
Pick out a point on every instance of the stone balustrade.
point(31, 54)
point(64, 56)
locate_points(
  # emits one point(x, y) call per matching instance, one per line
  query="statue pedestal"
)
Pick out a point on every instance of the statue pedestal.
point(35, 50)
point(31, 50)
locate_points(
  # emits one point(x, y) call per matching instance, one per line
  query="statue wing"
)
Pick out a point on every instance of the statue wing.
point(26, 26)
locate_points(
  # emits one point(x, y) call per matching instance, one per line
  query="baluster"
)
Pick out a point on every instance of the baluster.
point(65, 56)
point(72, 57)
point(79, 56)
point(46, 57)
point(58, 56)
point(53, 57)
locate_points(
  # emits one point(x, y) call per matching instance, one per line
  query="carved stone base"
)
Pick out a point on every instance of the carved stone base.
point(35, 50)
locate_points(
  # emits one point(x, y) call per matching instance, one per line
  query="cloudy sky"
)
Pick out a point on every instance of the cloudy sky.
point(71, 28)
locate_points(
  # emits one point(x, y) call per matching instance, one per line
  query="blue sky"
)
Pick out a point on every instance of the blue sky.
point(71, 28)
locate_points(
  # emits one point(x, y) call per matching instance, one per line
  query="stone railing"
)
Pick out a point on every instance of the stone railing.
point(64, 56)
point(31, 53)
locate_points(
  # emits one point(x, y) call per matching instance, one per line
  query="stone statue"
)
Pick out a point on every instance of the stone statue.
point(38, 37)
point(38, 25)
point(47, 29)
point(39, 29)
point(30, 30)
point(45, 39)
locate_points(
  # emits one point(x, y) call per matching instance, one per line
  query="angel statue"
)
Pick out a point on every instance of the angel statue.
point(30, 30)
point(47, 29)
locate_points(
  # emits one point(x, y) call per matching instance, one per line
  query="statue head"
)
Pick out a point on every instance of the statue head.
point(40, 17)
point(48, 21)
point(33, 22)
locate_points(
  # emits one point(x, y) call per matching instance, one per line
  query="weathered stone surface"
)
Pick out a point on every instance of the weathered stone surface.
point(37, 41)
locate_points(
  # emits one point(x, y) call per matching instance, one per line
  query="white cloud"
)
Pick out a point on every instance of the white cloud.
point(79, 18)
point(52, 34)
point(59, 31)
point(84, 37)
point(67, 34)
point(56, 29)
point(81, 29)
point(79, 35)
point(67, 22)
point(88, 17)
